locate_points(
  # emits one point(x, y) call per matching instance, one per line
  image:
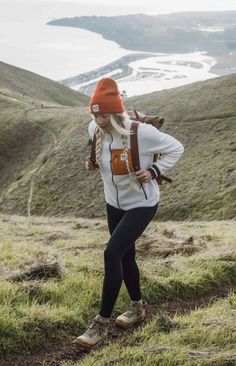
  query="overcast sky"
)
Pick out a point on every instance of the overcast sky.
point(164, 5)
point(57, 8)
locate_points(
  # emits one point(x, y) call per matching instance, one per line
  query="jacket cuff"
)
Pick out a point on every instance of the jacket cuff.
point(157, 170)
point(153, 172)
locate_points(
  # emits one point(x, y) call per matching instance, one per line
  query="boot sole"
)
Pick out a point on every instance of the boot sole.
point(125, 326)
point(86, 345)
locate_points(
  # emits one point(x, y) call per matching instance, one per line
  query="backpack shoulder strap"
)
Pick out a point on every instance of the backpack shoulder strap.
point(134, 146)
point(93, 148)
point(135, 153)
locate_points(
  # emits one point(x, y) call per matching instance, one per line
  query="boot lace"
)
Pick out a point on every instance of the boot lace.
point(96, 328)
point(132, 311)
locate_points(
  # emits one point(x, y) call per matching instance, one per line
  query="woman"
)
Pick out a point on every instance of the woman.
point(131, 199)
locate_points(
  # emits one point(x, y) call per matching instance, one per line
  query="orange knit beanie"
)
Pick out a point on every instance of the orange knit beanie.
point(106, 98)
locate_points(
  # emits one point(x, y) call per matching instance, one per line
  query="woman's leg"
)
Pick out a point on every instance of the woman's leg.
point(130, 227)
point(129, 265)
point(114, 215)
point(130, 268)
point(131, 274)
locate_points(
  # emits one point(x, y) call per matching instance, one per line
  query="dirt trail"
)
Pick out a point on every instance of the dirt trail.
point(43, 160)
point(56, 353)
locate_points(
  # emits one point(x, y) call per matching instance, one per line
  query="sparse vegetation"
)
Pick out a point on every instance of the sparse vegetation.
point(204, 337)
point(39, 310)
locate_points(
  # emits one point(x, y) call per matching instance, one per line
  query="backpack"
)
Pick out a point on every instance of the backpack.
point(136, 118)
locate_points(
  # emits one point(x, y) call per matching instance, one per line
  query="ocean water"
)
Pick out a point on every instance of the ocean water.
point(59, 52)
point(55, 52)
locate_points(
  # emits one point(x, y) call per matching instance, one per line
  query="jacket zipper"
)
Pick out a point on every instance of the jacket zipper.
point(144, 192)
point(112, 176)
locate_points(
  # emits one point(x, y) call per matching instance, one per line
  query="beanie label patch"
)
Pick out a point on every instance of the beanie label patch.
point(95, 108)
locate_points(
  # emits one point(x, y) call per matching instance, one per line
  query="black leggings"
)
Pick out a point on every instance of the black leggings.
point(119, 256)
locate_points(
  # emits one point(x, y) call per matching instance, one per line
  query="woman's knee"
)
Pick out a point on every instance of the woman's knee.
point(110, 253)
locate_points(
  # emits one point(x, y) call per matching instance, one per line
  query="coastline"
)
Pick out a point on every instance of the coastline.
point(154, 36)
point(65, 54)
point(141, 73)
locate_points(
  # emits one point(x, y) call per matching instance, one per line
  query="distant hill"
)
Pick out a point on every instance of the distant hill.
point(171, 33)
point(43, 149)
point(29, 84)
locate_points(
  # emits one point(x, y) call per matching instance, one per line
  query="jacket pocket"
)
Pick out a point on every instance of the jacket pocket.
point(118, 162)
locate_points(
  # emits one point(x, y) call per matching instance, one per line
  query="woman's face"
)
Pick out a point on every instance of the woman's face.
point(103, 121)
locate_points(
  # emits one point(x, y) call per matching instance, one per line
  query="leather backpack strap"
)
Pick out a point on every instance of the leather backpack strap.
point(155, 121)
point(162, 177)
point(93, 148)
point(135, 153)
point(134, 142)
point(134, 146)
point(136, 115)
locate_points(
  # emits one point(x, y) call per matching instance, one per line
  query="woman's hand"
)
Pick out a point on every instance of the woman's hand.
point(143, 176)
point(89, 165)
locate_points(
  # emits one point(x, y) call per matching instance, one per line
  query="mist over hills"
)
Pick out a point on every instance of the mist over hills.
point(43, 149)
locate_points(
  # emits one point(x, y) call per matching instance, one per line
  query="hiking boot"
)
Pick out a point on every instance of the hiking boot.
point(134, 314)
point(95, 334)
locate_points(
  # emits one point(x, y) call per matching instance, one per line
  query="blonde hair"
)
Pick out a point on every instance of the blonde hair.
point(120, 122)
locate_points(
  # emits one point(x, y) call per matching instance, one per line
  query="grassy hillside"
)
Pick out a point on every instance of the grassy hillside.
point(43, 151)
point(203, 116)
point(26, 84)
point(51, 273)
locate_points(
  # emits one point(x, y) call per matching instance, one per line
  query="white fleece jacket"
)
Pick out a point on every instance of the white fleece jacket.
point(119, 192)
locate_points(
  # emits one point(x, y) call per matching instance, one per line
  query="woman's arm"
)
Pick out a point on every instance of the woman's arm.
point(152, 141)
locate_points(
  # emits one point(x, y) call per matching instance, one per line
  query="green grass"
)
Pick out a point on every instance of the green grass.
point(204, 337)
point(35, 312)
point(27, 86)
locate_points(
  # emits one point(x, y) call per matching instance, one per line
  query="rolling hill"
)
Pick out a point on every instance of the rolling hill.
point(43, 144)
point(39, 88)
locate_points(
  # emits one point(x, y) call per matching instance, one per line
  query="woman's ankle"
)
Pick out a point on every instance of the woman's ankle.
point(137, 301)
point(103, 318)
